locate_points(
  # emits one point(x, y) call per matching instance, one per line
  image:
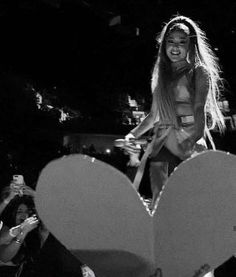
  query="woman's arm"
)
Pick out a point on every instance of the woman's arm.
point(7, 235)
point(201, 92)
point(148, 121)
point(10, 249)
point(8, 252)
point(199, 102)
point(7, 195)
point(26, 190)
point(9, 245)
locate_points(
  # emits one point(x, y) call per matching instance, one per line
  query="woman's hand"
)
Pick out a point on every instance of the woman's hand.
point(187, 146)
point(29, 224)
point(132, 149)
point(203, 271)
point(9, 193)
point(26, 190)
point(15, 231)
point(87, 271)
point(12, 193)
point(186, 143)
point(130, 146)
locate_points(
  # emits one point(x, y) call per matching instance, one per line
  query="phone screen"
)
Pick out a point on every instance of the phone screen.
point(18, 179)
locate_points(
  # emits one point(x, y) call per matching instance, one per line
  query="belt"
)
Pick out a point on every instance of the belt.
point(186, 119)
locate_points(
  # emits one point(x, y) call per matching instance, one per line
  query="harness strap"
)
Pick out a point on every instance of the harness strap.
point(155, 145)
point(209, 136)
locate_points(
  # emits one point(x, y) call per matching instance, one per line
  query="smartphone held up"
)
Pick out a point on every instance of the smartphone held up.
point(17, 184)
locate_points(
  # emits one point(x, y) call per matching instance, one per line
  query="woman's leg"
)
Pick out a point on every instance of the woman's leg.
point(160, 168)
point(158, 178)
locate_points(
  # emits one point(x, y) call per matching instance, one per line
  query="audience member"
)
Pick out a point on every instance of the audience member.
point(27, 248)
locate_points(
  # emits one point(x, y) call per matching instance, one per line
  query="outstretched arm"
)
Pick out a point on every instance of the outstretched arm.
point(133, 149)
point(148, 121)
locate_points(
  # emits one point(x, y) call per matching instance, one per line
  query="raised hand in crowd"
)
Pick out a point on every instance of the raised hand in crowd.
point(87, 271)
point(26, 190)
point(29, 224)
point(202, 272)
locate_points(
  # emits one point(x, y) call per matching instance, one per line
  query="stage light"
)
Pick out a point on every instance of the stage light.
point(108, 151)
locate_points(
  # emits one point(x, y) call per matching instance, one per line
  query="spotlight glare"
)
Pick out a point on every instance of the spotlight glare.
point(108, 151)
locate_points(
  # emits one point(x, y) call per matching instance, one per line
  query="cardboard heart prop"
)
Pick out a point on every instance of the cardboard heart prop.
point(94, 211)
point(195, 223)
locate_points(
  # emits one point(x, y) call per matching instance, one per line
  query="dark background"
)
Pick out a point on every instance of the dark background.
point(70, 45)
point(69, 51)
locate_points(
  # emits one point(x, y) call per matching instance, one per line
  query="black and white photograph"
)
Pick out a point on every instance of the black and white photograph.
point(117, 138)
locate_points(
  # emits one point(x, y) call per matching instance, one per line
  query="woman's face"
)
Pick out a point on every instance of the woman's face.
point(177, 46)
point(22, 213)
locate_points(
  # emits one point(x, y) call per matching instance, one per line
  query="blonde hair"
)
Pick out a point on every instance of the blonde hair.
point(200, 54)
